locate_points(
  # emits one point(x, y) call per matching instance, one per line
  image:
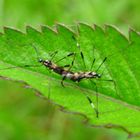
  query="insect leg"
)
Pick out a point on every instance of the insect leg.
point(90, 101)
point(93, 59)
point(53, 55)
point(72, 62)
point(92, 64)
point(81, 53)
point(66, 66)
point(82, 56)
point(49, 89)
point(97, 100)
point(70, 66)
point(93, 106)
point(63, 81)
point(83, 59)
point(70, 54)
point(101, 64)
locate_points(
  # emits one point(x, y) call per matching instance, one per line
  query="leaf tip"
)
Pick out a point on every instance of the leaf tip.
point(112, 28)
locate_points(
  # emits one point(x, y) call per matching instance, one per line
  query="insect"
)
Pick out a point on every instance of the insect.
point(79, 76)
point(72, 75)
point(65, 73)
point(68, 74)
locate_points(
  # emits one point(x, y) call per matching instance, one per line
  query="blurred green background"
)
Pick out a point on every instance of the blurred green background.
point(25, 116)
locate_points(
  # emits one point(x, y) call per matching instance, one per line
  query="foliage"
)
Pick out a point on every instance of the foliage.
point(122, 65)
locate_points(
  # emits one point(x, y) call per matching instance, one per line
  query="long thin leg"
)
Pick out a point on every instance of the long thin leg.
point(68, 70)
point(93, 58)
point(97, 99)
point(83, 59)
point(95, 108)
point(66, 66)
point(90, 101)
point(108, 80)
point(63, 81)
point(70, 54)
point(49, 89)
point(72, 62)
point(101, 64)
point(53, 55)
point(92, 64)
point(82, 56)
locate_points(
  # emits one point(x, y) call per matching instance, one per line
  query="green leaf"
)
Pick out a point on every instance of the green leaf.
point(118, 105)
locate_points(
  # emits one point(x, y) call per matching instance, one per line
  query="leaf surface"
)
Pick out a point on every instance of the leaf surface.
point(119, 101)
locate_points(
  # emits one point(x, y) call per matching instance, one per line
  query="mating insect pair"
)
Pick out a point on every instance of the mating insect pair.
point(69, 74)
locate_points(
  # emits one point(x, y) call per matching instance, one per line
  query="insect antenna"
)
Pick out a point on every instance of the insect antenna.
point(25, 66)
point(22, 66)
point(37, 53)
